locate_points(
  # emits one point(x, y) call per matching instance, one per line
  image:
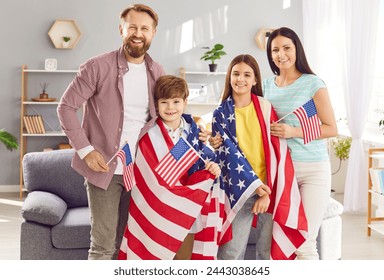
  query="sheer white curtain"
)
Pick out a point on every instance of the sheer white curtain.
point(361, 33)
point(340, 37)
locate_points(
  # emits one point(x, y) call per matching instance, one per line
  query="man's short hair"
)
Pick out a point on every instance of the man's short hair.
point(140, 8)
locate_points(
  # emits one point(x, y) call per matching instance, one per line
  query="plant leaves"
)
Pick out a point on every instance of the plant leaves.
point(9, 140)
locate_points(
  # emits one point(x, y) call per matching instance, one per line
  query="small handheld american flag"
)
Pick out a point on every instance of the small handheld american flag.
point(309, 121)
point(179, 159)
point(125, 156)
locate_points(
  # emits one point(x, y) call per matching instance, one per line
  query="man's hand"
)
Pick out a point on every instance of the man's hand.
point(96, 162)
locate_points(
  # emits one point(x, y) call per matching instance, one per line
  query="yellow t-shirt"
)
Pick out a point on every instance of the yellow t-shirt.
point(248, 133)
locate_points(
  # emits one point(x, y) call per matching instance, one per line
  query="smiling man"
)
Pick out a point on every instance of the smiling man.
point(116, 89)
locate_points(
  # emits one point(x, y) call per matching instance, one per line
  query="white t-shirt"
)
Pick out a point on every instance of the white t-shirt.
point(135, 107)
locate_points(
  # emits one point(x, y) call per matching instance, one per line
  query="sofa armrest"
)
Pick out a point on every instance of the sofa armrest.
point(44, 208)
point(334, 208)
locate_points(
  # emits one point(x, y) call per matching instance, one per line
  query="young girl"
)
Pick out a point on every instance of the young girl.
point(164, 218)
point(293, 85)
point(250, 159)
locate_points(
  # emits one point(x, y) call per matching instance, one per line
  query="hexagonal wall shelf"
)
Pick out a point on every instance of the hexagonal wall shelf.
point(262, 36)
point(64, 28)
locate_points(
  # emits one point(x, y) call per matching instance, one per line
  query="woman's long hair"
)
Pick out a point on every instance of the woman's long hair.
point(301, 60)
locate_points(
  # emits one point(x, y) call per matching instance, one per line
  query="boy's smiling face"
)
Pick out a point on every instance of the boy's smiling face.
point(170, 111)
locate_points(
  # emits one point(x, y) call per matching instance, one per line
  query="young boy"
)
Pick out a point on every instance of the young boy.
point(164, 219)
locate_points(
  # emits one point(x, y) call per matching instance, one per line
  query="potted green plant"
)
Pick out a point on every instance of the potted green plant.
point(213, 54)
point(66, 40)
point(341, 146)
point(9, 140)
point(381, 124)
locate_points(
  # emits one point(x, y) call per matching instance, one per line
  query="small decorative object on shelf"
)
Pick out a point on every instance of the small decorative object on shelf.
point(50, 64)
point(63, 29)
point(43, 97)
point(380, 114)
point(66, 42)
point(214, 54)
point(262, 37)
point(44, 94)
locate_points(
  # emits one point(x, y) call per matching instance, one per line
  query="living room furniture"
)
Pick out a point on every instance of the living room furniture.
point(328, 240)
point(375, 193)
point(56, 215)
point(30, 78)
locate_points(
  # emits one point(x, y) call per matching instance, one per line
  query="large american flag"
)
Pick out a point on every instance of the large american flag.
point(240, 181)
point(128, 177)
point(179, 159)
point(160, 216)
point(309, 121)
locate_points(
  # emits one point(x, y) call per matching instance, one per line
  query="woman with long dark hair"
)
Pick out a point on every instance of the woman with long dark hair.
point(293, 85)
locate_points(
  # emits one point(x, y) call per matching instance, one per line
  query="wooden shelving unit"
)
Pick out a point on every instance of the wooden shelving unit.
point(374, 222)
point(28, 103)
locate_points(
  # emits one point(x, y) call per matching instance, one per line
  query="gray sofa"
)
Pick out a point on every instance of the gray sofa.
point(56, 215)
point(57, 221)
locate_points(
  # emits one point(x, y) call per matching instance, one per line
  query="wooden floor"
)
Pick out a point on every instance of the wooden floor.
point(356, 245)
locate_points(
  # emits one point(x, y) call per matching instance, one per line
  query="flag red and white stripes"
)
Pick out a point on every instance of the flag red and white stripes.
point(309, 121)
point(161, 216)
point(181, 157)
point(128, 176)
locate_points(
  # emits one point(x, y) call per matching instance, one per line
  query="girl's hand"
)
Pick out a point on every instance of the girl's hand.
point(216, 141)
point(263, 190)
point(214, 168)
point(261, 205)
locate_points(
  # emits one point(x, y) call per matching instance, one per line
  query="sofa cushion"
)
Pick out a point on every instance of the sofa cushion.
point(44, 208)
point(74, 229)
point(52, 172)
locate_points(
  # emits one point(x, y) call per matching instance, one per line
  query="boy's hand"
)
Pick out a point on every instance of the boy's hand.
point(261, 205)
point(214, 168)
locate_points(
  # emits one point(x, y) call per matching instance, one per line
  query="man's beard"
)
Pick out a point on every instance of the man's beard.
point(135, 51)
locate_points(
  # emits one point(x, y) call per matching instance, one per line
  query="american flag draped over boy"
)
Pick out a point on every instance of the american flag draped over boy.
point(161, 216)
point(240, 181)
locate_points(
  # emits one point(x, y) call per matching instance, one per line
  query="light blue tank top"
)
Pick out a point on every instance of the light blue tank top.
point(285, 100)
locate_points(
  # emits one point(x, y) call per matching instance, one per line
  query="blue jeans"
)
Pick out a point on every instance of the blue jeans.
point(241, 228)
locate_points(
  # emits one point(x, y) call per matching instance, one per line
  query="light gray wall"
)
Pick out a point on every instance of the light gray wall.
point(24, 40)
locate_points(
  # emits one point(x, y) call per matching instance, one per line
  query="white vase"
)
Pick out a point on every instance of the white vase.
point(65, 44)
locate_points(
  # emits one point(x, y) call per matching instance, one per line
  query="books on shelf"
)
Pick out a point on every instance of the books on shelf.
point(377, 178)
point(34, 124)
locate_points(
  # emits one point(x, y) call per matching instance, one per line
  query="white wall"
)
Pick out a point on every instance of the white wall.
point(25, 24)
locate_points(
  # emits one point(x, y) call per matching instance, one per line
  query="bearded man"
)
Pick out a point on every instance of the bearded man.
point(116, 92)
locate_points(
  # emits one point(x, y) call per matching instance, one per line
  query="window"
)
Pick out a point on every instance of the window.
point(376, 111)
